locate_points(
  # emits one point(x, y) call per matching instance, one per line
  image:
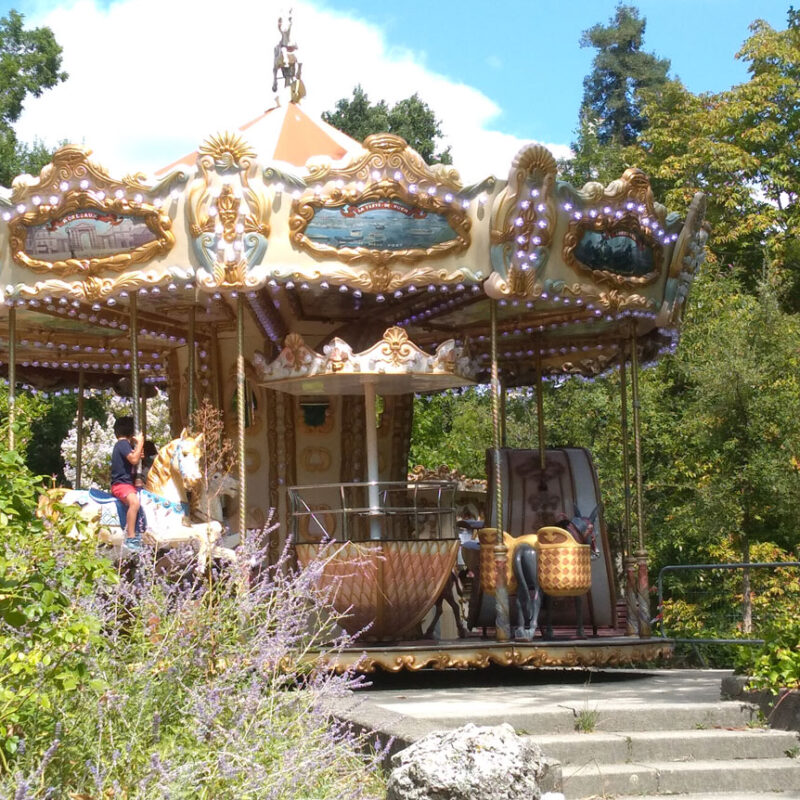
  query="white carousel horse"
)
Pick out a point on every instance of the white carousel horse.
point(164, 502)
point(207, 503)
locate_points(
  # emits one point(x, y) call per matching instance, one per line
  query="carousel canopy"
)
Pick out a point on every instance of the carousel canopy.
point(286, 134)
point(355, 241)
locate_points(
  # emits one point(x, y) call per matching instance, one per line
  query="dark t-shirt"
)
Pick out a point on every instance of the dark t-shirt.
point(121, 468)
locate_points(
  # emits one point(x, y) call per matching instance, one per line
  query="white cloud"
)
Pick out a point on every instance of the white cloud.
point(151, 79)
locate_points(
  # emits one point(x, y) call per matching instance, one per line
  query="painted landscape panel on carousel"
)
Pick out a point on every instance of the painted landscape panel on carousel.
point(86, 234)
point(622, 252)
point(379, 225)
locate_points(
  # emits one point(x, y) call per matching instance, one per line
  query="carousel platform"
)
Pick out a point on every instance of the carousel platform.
point(610, 648)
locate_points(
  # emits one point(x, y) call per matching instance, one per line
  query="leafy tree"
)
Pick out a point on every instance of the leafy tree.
point(28, 407)
point(741, 147)
point(410, 118)
point(592, 160)
point(611, 113)
point(742, 423)
point(620, 70)
point(30, 62)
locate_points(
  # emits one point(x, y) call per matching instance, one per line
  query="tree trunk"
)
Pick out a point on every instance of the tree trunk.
point(747, 601)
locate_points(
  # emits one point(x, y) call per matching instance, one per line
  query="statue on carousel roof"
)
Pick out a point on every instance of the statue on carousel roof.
point(286, 60)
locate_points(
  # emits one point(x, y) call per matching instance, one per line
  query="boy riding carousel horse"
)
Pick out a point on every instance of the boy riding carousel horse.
point(125, 457)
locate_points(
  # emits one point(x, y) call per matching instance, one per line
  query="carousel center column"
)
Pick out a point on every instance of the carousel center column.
point(373, 476)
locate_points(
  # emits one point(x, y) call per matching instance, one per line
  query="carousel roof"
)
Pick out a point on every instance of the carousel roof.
point(340, 248)
point(286, 134)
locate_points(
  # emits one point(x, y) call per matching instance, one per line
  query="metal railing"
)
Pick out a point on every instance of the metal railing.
point(714, 601)
point(399, 510)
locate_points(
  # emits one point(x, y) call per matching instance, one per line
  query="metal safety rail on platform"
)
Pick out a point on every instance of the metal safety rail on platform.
point(382, 510)
point(719, 607)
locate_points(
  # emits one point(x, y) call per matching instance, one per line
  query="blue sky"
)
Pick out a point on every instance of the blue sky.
point(150, 79)
point(525, 54)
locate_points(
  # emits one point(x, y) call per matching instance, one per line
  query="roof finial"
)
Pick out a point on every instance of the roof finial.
point(288, 63)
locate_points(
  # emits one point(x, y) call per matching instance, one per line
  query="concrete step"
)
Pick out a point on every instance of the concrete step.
point(712, 796)
point(610, 716)
point(681, 777)
point(647, 746)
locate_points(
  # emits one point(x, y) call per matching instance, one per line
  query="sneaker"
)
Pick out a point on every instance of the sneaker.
point(134, 544)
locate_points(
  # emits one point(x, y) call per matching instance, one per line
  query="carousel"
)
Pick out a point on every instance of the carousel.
point(309, 285)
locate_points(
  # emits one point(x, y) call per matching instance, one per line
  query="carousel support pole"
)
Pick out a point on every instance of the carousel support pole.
point(503, 398)
point(502, 620)
point(240, 408)
point(643, 585)
point(191, 335)
point(134, 324)
point(373, 475)
point(12, 374)
point(629, 562)
point(79, 426)
point(540, 416)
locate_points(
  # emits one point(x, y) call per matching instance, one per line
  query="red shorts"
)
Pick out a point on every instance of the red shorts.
point(122, 490)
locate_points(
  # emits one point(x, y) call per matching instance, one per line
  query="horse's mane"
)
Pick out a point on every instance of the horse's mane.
point(160, 473)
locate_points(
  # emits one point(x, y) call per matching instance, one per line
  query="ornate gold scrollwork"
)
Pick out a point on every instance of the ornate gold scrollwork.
point(227, 150)
point(98, 194)
point(629, 226)
point(614, 300)
point(92, 288)
point(389, 659)
point(695, 219)
point(230, 230)
point(384, 151)
point(388, 155)
point(532, 165)
point(633, 186)
point(524, 217)
point(631, 194)
point(396, 347)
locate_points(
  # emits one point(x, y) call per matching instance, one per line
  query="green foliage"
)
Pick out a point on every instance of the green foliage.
point(48, 568)
point(739, 432)
point(586, 720)
point(43, 456)
point(620, 71)
point(205, 690)
point(776, 665)
point(28, 408)
point(592, 160)
point(30, 62)
point(740, 147)
point(452, 428)
point(410, 118)
point(710, 605)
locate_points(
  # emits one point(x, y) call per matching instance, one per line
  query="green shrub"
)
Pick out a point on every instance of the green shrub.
point(49, 571)
point(776, 664)
point(202, 689)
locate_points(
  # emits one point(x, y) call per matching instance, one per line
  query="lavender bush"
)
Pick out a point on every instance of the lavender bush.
point(212, 689)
